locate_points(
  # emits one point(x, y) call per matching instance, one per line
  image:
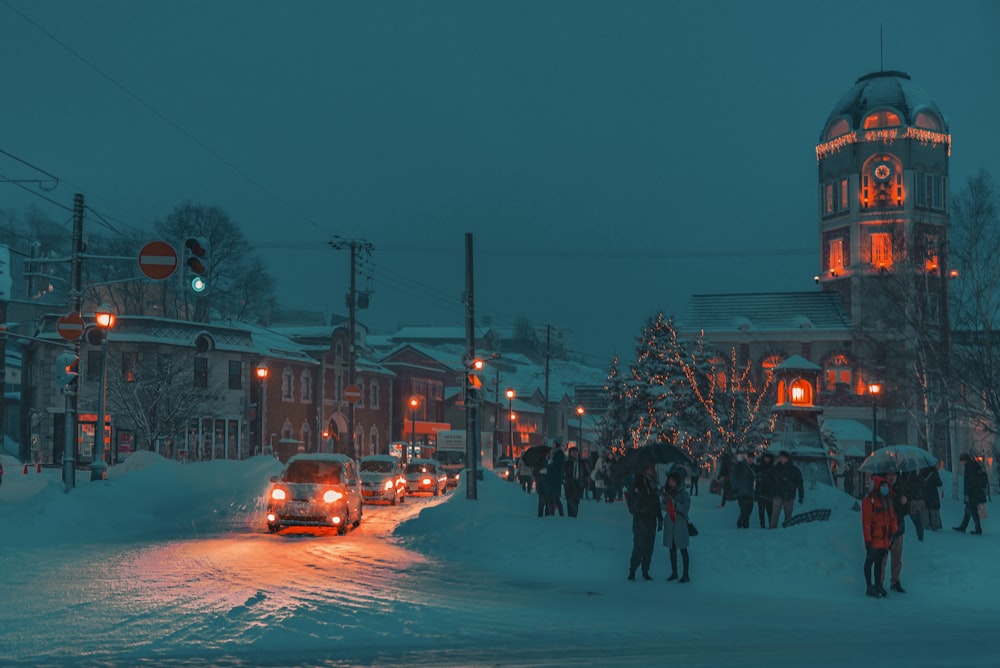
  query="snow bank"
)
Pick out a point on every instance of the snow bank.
point(144, 496)
point(500, 534)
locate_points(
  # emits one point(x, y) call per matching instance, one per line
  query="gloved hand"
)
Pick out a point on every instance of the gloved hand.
point(659, 525)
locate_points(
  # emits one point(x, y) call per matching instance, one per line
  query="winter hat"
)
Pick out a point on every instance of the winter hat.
point(677, 475)
point(785, 453)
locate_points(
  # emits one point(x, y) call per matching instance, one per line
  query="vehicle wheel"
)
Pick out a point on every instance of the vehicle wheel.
point(437, 491)
point(357, 522)
point(395, 499)
point(273, 528)
point(342, 530)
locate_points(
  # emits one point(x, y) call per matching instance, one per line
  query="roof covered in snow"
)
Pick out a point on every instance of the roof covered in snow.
point(766, 311)
point(885, 89)
point(797, 363)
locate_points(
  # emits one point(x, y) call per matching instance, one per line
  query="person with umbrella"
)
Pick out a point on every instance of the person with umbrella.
point(647, 517)
point(901, 508)
point(974, 482)
point(553, 480)
point(676, 533)
point(878, 525)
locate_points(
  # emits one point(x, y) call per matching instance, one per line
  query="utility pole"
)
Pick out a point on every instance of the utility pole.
point(471, 409)
point(354, 246)
point(545, 404)
point(75, 306)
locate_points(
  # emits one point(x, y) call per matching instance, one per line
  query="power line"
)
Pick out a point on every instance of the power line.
point(52, 177)
point(36, 194)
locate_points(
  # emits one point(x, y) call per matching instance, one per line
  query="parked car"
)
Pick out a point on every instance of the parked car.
point(382, 479)
point(506, 470)
point(425, 476)
point(315, 490)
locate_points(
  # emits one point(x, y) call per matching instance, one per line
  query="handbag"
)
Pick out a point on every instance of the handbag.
point(982, 511)
point(692, 529)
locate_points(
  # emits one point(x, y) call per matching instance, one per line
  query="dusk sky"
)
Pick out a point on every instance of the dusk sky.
point(612, 158)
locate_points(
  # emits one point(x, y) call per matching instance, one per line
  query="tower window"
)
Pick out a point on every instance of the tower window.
point(928, 121)
point(836, 256)
point(838, 128)
point(881, 250)
point(881, 119)
point(844, 205)
point(930, 253)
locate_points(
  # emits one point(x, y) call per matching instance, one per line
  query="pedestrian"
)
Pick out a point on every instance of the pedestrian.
point(764, 489)
point(975, 482)
point(537, 475)
point(787, 480)
point(879, 525)
point(850, 476)
point(647, 517)
point(524, 475)
point(742, 481)
point(722, 475)
point(597, 476)
point(901, 506)
point(610, 481)
point(676, 532)
point(553, 480)
point(912, 489)
point(930, 481)
point(695, 476)
point(575, 481)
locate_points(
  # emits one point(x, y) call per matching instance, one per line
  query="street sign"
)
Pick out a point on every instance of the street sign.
point(352, 394)
point(157, 260)
point(70, 326)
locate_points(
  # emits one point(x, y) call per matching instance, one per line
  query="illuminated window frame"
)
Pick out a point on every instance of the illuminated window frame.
point(881, 250)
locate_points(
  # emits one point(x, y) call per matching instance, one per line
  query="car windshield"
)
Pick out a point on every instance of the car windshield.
point(451, 457)
point(420, 468)
point(314, 472)
point(376, 466)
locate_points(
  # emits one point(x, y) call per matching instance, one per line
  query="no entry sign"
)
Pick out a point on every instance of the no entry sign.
point(158, 260)
point(70, 326)
point(352, 394)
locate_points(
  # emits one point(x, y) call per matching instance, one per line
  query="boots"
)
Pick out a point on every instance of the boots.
point(687, 562)
point(872, 592)
point(673, 566)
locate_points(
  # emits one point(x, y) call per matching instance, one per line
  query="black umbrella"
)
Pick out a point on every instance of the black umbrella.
point(536, 455)
point(654, 453)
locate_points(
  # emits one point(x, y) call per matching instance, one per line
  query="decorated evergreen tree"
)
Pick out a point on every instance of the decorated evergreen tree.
point(614, 427)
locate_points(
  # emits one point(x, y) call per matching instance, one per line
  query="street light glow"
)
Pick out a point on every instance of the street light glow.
point(874, 388)
point(105, 317)
point(510, 393)
point(262, 371)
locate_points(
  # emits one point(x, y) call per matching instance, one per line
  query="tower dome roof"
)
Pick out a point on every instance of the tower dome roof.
point(890, 90)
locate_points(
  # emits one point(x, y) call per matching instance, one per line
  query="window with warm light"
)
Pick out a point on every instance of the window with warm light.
point(928, 121)
point(881, 250)
point(800, 392)
point(836, 262)
point(931, 253)
point(837, 371)
point(883, 118)
point(838, 128)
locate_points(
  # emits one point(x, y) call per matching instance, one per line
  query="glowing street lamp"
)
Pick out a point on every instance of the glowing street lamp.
point(414, 404)
point(580, 410)
point(874, 389)
point(510, 421)
point(261, 372)
point(105, 318)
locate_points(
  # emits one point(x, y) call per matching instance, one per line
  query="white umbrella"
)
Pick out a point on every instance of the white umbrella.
point(898, 459)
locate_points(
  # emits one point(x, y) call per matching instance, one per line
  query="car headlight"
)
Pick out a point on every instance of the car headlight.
point(278, 494)
point(427, 481)
point(330, 496)
point(387, 486)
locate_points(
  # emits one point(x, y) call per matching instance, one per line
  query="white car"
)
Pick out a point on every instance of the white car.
point(315, 490)
point(382, 479)
point(425, 476)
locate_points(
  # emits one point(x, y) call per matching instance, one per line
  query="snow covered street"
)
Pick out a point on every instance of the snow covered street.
point(174, 568)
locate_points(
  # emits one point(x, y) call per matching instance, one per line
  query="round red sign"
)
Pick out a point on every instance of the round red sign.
point(352, 394)
point(70, 326)
point(158, 260)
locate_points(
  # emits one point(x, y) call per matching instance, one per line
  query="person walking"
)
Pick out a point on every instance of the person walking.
point(676, 532)
point(597, 475)
point(524, 475)
point(695, 476)
point(647, 517)
point(930, 482)
point(975, 482)
point(787, 479)
point(742, 481)
point(575, 481)
point(537, 476)
point(911, 487)
point(879, 525)
point(610, 482)
point(764, 488)
point(553, 480)
point(901, 506)
point(850, 476)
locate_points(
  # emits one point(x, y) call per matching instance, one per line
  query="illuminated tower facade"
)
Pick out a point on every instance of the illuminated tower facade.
point(883, 201)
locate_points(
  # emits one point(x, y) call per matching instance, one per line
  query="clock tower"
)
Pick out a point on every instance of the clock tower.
point(883, 201)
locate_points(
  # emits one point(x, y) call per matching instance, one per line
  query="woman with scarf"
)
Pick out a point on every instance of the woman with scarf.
point(676, 534)
point(880, 527)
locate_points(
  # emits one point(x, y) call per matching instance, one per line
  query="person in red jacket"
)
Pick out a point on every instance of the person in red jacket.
point(880, 526)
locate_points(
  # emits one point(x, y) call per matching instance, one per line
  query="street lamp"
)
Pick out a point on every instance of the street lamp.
point(105, 318)
point(510, 419)
point(261, 372)
point(874, 389)
point(414, 404)
point(580, 410)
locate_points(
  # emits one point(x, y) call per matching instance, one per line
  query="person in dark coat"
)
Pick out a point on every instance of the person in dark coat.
point(930, 482)
point(764, 489)
point(553, 480)
point(576, 477)
point(879, 526)
point(901, 505)
point(647, 517)
point(850, 475)
point(722, 475)
point(787, 480)
point(676, 533)
point(742, 479)
point(911, 487)
point(543, 500)
point(695, 476)
point(975, 481)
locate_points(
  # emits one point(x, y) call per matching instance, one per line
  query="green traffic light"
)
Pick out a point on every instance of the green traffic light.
point(198, 284)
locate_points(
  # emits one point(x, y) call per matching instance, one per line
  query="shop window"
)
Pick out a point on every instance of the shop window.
point(881, 243)
point(837, 371)
point(836, 256)
point(235, 375)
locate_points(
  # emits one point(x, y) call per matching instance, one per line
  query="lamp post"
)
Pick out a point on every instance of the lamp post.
point(510, 419)
point(414, 404)
point(261, 372)
point(580, 410)
point(105, 318)
point(874, 389)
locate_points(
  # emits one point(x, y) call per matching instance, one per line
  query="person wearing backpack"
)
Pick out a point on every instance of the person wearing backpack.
point(975, 492)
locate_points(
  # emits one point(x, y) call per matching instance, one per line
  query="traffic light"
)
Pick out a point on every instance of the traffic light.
point(196, 264)
point(474, 384)
point(67, 370)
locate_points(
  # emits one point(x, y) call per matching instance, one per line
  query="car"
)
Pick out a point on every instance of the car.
point(425, 476)
point(506, 470)
point(315, 490)
point(382, 479)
